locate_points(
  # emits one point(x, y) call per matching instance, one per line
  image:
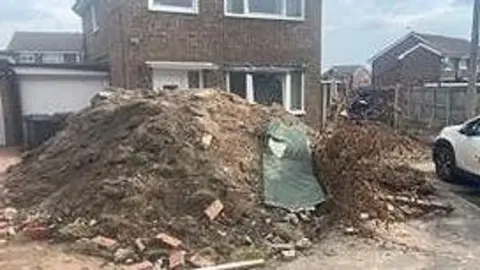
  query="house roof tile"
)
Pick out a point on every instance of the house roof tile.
point(45, 41)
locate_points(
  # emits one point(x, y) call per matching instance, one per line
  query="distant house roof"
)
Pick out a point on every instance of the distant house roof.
point(342, 71)
point(45, 41)
point(448, 46)
point(444, 45)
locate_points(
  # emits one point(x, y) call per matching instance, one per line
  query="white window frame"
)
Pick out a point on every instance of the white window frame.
point(93, 18)
point(286, 94)
point(256, 15)
point(462, 64)
point(168, 8)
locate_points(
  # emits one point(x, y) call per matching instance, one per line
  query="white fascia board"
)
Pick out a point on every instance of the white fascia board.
point(418, 46)
point(170, 65)
point(395, 44)
point(45, 71)
point(449, 84)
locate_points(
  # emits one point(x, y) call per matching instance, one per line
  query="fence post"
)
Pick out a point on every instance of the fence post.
point(448, 105)
point(324, 89)
point(395, 106)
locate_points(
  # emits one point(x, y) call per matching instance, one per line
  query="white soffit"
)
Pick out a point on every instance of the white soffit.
point(169, 65)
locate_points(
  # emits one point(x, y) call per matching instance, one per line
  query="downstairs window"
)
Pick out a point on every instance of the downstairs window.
point(286, 88)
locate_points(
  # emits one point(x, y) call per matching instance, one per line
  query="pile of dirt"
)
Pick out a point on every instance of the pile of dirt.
point(365, 169)
point(137, 164)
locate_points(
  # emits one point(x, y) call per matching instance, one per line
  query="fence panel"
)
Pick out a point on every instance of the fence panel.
point(433, 106)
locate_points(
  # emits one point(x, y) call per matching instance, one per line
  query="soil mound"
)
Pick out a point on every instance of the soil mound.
point(140, 163)
point(365, 169)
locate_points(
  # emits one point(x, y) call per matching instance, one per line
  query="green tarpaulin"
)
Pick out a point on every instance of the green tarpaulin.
point(288, 176)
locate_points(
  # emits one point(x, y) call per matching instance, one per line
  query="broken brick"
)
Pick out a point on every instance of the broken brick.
point(199, 261)
point(169, 240)
point(139, 244)
point(176, 258)
point(289, 254)
point(4, 233)
point(146, 265)
point(104, 242)
point(3, 225)
point(37, 233)
point(214, 209)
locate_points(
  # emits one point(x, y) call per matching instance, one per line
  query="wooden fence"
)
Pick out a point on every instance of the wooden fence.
point(432, 106)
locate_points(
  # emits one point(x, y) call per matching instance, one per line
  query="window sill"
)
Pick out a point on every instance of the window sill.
point(264, 17)
point(95, 31)
point(298, 112)
point(192, 11)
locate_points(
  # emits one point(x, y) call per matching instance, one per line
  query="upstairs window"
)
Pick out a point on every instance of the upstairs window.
point(38, 58)
point(179, 6)
point(266, 9)
point(70, 58)
point(463, 64)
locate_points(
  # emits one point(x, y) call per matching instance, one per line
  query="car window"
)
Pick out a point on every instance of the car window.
point(474, 127)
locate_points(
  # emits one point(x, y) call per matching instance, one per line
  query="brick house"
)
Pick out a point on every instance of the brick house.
point(419, 58)
point(351, 76)
point(45, 48)
point(264, 50)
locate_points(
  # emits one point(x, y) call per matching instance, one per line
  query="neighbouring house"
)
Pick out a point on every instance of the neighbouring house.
point(351, 76)
point(420, 58)
point(342, 78)
point(267, 51)
point(42, 79)
point(35, 96)
point(45, 48)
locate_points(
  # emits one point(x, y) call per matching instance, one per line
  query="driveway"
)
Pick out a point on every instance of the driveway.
point(449, 242)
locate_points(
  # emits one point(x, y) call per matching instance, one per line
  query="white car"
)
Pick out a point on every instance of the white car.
point(457, 151)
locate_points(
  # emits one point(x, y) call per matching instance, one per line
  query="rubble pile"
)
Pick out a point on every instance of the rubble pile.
point(174, 177)
point(136, 165)
point(364, 169)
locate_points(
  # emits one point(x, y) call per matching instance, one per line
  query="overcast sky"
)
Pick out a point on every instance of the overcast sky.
point(353, 29)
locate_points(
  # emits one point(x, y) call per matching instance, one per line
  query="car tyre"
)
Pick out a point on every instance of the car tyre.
point(445, 164)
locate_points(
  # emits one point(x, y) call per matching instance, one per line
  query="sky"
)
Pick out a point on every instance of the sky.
point(353, 30)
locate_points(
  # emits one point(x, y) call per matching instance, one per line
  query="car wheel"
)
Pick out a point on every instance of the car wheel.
point(445, 164)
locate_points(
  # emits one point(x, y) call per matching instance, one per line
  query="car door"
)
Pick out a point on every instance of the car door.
point(468, 148)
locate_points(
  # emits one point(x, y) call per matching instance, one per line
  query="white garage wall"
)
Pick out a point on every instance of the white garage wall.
point(3, 140)
point(47, 94)
point(162, 77)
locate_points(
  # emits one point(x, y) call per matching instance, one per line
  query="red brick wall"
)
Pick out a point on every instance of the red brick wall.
point(419, 67)
point(386, 70)
point(207, 36)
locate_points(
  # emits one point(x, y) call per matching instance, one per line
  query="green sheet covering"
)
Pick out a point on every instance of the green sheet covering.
point(288, 176)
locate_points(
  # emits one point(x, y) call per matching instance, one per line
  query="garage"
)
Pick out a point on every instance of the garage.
point(46, 95)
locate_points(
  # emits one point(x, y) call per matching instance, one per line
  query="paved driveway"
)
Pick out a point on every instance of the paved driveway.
point(450, 242)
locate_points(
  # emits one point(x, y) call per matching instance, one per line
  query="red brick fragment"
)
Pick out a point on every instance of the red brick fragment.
point(169, 240)
point(37, 233)
point(176, 259)
point(104, 242)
